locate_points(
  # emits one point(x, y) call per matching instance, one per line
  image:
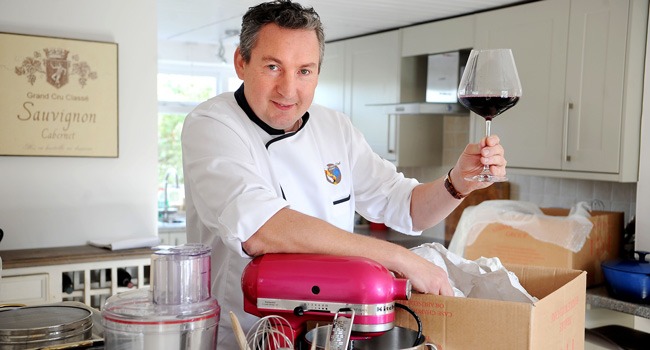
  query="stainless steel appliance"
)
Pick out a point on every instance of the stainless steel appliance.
point(436, 94)
point(398, 338)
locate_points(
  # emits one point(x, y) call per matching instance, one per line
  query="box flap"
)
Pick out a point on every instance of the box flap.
point(515, 246)
point(562, 314)
point(512, 245)
point(541, 281)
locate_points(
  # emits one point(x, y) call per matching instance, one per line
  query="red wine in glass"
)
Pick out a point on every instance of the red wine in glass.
point(489, 86)
point(488, 107)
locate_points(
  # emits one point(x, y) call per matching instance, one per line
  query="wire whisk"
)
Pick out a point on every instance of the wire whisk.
point(269, 333)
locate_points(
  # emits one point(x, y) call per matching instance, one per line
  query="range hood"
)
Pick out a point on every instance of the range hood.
point(423, 108)
point(443, 73)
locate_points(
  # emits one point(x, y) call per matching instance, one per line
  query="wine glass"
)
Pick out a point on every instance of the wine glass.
point(489, 86)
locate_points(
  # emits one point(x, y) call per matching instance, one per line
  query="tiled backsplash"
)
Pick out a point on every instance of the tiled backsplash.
point(564, 193)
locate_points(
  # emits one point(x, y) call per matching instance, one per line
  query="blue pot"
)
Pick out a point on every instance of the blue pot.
point(629, 280)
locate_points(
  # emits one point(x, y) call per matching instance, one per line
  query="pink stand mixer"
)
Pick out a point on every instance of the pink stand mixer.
point(312, 287)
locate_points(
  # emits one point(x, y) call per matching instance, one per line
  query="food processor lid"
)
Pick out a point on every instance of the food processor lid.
point(185, 250)
point(137, 307)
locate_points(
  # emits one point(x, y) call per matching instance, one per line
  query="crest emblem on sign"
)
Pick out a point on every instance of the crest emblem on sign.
point(56, 67)
point(333, 173)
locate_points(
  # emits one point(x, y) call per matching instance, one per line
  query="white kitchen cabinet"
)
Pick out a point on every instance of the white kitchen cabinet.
point(360, 73)
point(439, 36)
point(25, 289)
point(172, 238)
point(537, 34)
point(36, 276)
point(580, 63)
point(604, 85)
point(92, 284)
point(172, 233)
point(332, 79)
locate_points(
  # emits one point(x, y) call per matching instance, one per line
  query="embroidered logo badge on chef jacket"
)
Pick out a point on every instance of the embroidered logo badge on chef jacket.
point(333, 173)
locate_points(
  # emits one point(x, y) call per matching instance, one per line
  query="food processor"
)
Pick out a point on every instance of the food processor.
point(177, 312)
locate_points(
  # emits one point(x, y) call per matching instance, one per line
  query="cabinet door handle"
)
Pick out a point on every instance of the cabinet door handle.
point(392, 133)
point(568, 106)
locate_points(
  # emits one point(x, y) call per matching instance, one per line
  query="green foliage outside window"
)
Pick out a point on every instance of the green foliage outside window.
point(177, 94)
point(169, 145)
point(177, 88)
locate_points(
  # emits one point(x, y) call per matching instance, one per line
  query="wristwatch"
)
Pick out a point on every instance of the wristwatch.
point(451, 189)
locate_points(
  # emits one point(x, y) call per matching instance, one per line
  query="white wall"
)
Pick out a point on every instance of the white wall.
point(643, 186)
point(62, 201)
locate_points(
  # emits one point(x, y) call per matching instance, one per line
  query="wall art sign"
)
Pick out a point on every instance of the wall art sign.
point(58, 97)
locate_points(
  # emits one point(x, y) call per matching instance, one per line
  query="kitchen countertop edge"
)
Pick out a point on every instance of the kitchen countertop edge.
point(20, 258)
point(599, 297)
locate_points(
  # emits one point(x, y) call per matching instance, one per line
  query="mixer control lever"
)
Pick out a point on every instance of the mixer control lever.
point(299, 310)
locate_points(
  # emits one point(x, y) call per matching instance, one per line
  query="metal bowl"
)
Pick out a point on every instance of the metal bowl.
point(398, 338)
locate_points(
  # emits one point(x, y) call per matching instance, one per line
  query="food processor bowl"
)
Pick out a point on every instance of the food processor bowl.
point(178, 312)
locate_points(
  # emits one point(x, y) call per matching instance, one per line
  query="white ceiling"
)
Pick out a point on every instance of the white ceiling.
point(209, 21)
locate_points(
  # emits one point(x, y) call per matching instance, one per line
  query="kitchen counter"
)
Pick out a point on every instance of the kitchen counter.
point(598, 297)
point(175, 226)
point(19, 258)
point(396, 237)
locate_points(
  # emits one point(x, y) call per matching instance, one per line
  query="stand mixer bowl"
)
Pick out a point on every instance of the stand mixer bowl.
point(398, 338)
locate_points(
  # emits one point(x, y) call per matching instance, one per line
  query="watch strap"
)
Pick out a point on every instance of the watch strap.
point(451, 189)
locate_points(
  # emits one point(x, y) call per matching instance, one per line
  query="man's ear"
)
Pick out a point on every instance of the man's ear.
point(239, 63)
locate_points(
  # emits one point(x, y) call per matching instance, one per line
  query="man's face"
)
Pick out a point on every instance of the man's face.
point(281, 77)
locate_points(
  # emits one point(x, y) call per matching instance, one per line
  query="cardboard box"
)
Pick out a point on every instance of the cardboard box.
point(556, 321)
point(514, 246)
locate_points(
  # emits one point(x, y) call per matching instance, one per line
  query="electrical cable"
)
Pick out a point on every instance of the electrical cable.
point(417, 319)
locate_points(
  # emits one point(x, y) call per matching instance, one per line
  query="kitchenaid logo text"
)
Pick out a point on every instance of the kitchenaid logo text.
point(385, 308)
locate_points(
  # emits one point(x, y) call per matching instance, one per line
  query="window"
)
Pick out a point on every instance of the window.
point(180, 89)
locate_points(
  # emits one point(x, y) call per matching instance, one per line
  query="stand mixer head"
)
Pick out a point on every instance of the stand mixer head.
point(314, 287)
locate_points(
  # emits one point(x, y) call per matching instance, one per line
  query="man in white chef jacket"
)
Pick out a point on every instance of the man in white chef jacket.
point(267, 171)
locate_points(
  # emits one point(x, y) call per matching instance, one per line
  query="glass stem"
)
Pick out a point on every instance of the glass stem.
point(488, 123)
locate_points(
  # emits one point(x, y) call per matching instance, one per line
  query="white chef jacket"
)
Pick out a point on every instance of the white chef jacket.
point(239, 172)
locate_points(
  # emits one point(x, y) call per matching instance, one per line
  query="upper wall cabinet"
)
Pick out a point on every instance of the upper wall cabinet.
point(440, 36)
point(331, 79)
point(360, 73)
point(581, 66)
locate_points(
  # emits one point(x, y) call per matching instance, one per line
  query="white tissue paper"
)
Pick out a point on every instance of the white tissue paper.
point(484, 278)
point(126, 242)
point(569, 232)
